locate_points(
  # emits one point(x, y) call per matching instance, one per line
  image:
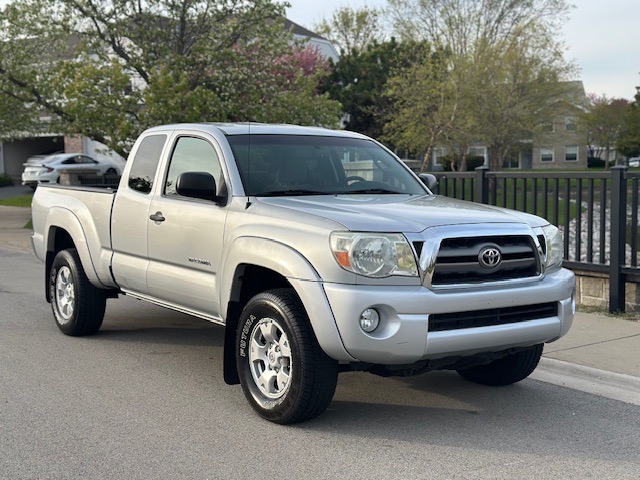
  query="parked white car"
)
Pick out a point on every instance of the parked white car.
point(47, 169)
point(634, 162)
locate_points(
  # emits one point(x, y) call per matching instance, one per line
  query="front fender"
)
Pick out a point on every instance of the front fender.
point(301, 275)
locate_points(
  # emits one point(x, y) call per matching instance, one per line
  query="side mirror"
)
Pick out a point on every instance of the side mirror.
point(200, 185)
point(429, 180)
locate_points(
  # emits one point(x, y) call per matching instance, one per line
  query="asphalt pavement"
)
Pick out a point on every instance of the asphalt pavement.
point(145, 399)
point(596, 342)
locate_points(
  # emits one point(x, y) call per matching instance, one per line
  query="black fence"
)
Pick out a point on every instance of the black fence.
point(597, 211)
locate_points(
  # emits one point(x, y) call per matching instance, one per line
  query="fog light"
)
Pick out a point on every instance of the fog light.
point(369, 320)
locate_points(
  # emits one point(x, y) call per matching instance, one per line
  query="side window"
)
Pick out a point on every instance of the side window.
point(192, 155)
point(145, 163)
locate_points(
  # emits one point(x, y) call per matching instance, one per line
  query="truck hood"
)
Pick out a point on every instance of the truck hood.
point(399, 213)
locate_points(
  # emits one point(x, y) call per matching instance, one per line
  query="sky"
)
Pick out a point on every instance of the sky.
point(602, 36)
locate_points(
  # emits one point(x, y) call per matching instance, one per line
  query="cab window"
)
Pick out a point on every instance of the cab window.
point(145, 163)
point(192, 154)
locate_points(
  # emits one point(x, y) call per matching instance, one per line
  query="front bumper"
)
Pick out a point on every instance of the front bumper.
point(403, 336)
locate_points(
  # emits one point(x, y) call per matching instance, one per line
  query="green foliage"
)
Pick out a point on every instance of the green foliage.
point(450, 163)
point(352, 29)
point(358, 82)
point(494, 73)
point(596, 163)
point(111, 68)
point(5, 180)
point(603, 121)
point(628, 141)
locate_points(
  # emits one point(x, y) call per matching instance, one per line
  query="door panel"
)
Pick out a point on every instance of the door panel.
point(185, 244)
point(184, 253)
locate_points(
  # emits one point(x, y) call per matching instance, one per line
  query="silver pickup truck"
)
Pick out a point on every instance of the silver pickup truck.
point(320, 252)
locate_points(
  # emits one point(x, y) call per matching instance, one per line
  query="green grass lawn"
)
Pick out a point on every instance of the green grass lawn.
point(21, 201)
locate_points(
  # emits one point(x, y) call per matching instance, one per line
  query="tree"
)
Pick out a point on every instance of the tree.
point(471, 26)
point(504, 67)
point(628, 141)
point(603, 121)
point(352, 29)
point(109, 69)
point(358, 82)
point(424, 100)
point(516, 95)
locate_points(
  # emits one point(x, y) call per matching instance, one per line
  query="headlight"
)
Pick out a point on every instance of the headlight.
point(375, 255)
point(555, 247)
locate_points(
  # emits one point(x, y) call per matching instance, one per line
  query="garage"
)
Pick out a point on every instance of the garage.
point(14, 153)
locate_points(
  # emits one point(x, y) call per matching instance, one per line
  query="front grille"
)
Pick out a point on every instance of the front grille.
point(496, 316)
point(458, 260)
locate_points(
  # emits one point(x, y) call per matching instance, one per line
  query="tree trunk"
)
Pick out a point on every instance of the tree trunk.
point(426, 159)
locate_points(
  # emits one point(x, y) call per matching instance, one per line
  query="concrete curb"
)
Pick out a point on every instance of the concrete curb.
point(616, 386)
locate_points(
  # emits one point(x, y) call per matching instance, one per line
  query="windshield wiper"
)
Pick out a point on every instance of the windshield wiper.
point(290, 193)
point(371, 190)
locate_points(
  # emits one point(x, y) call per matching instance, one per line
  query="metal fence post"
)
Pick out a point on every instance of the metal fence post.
point(482, 185)
point(618, 238)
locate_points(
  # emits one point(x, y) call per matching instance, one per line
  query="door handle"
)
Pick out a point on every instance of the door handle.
point(157, 217)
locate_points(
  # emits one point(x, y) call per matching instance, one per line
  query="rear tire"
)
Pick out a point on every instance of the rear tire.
point(111, 171)
point(285, 375)
point(78, 307)
point(507, 370)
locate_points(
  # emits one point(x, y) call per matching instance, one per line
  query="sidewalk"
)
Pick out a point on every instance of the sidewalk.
point(13, 235)
point(596, 341)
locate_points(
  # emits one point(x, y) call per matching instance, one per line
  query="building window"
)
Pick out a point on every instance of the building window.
point(571, 153)
point(546, 127)
point(546, 154)
point(570, 124)
point(438, 153)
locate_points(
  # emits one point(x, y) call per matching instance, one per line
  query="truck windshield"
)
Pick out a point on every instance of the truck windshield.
point(274, 165)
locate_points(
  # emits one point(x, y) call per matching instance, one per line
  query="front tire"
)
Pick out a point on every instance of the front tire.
point(285, 375)
point(506, 370)
point(78, 307)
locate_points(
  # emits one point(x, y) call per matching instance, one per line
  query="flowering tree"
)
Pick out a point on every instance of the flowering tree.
point(109, 69)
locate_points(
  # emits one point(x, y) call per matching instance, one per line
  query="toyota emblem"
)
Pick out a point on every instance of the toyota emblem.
point(489, 258)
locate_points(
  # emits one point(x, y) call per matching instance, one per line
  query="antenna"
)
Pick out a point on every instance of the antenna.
point(248, 167)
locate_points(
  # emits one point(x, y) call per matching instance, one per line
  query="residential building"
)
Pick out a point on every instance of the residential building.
point(559, 143)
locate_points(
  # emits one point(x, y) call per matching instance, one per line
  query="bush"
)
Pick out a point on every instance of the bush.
point(5, 180)
point(595, 162)
point(475, 162)
point(472, 162)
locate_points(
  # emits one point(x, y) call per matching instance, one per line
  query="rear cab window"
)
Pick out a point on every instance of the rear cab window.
point(145, 163)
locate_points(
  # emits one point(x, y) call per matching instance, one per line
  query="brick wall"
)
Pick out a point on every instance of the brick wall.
point(592, 289)
point(73, 144)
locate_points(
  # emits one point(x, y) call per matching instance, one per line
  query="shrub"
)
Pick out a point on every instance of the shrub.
point(5, 180)
point(595, 162)
point(472, 162)
point(475, 162)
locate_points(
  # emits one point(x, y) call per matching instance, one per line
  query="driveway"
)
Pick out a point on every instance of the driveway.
point(14, 191)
